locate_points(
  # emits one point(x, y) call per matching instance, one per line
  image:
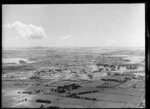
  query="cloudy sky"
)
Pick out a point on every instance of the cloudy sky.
point(73, 25)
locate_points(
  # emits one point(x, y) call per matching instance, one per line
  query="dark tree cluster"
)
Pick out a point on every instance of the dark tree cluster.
point(115, 79)
point(27, 92)
point(43, 101)
point(34, 77)
point(62, 89)
point(37, 91)
point(74, 95)
point(87, 98)
point(53, 107)
point(105, 85)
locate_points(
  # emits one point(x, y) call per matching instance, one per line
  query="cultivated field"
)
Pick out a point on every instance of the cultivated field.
point(73, 78)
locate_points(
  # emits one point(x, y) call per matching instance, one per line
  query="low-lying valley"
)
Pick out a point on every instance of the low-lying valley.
point(73, 78)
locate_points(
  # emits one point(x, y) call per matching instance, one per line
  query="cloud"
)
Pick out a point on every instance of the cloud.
point(27, 31)
point(65, 37)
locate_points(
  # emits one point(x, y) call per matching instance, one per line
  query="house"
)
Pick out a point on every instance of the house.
point(122, 69)
point(99, 74)
point(93, 68)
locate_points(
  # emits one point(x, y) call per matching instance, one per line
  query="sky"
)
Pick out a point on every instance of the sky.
point(73, 25)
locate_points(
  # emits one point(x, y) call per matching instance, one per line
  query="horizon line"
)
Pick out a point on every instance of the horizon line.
point(77, 47)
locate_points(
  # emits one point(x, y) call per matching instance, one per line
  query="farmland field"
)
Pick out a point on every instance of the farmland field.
point(77, 78)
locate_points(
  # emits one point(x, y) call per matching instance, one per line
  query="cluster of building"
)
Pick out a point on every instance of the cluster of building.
point(18, 75)
point(58, 73)
point(91, 72)
point(106, 67)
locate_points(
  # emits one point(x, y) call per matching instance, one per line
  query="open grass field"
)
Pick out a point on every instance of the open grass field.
point(123, 97)
point(132, 92)
point(75, 102)
point(103, 104)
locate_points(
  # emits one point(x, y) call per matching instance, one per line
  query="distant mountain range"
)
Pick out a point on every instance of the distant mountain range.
point(46, 47)
point(38, 47)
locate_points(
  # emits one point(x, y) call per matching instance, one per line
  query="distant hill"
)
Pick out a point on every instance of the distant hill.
point(126, 52)
point(37, 47)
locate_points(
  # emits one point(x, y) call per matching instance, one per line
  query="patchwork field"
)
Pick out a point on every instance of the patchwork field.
point(73, 78)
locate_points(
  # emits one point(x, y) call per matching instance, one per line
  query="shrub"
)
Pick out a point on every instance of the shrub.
point(42, 106)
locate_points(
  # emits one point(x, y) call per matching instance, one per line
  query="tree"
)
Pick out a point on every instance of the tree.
point(34, 77)
point(52, 90)
point(42, 106)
